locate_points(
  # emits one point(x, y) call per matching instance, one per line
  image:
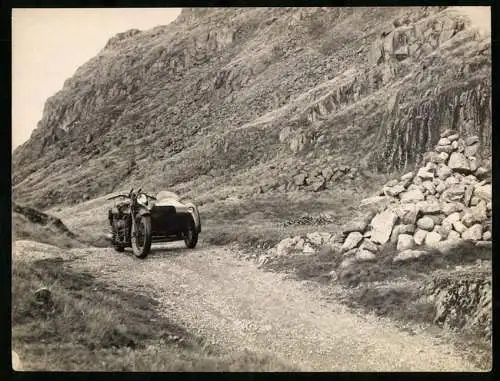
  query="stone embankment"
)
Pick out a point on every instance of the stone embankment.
point(443, 203)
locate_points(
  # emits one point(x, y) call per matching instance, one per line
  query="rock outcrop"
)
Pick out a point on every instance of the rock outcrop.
point(463, 301)
point(234, 90)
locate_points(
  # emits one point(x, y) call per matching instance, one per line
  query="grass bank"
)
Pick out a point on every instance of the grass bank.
point(82, 324)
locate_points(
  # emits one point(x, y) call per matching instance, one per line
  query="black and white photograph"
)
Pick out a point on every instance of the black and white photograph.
point(224, 189)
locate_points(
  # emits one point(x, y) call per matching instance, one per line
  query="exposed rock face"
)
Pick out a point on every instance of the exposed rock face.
point(232, 89)
point(463, 301)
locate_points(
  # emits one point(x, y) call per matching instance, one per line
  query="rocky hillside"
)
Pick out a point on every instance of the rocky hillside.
point(259, 99)
point(31, 224)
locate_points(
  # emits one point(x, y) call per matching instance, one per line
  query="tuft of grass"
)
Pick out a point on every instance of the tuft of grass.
point(88, 326)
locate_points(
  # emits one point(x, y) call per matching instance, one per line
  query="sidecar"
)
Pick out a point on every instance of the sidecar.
point(173, 220)
point(164, 218)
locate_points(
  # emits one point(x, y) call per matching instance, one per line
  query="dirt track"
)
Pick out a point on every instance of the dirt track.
point(235, 305)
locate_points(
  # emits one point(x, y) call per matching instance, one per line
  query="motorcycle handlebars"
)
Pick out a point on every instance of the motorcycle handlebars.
point(130, 195)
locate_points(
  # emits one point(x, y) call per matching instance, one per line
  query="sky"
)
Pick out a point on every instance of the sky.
point(48, 45)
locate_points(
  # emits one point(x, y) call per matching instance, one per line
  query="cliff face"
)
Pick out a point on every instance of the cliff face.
point(240, 91)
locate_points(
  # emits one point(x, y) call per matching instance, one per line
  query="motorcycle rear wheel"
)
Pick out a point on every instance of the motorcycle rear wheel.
point(191, 236)
point(141, 240)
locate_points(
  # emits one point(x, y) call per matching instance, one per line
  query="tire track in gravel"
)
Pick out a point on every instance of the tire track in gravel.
point(233, 304)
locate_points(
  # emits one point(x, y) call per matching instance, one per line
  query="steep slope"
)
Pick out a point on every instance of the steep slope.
point(252, 97)
point(31, 224)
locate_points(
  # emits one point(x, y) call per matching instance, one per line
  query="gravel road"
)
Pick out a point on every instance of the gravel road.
point(235, 305)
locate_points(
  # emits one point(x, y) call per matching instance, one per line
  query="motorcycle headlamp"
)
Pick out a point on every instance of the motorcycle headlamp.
point(142, 199)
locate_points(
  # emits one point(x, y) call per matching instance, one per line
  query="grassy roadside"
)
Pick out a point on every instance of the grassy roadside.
point(87, 326)
point(394, 290)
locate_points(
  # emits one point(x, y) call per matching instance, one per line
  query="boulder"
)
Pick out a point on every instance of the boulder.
point(284, 247)
point(412, 195)
point(468, 219)
point(382, 225)
point(459, 163)
point(425, 223)
point(443, 157)
point(473, 164)
point(481, 172)
point(347, 263)
point(474, 201)
point(474, 233)
point(327, 173)
point(366, 244)
point(429, 207)
point(300, 244)
point(451, 207)
point(453, 236)
point(470, 151)
point(453, 137)
point(405, 241)
point(394, 191)
point(431, 188)
point(407, 214)
point(453, 217)
point(459, 226)
point(483, 192)
point(391, 183)
point(352, 241)
point(315, 238)
point(425, 174)
point(375, 203)
point(471, 140)
point(487, 236)
point(442, 230)
point(432, 238)
point(444, 142)
point(308, 249)
point(443, 172)
point(451, 180)
point(401, 229)
point(446, 133)
point(440, 187)
point(358, 224)
point(436, 218)
point(409, 254)
point(479, 212)
point(446, 149)
point(43, 296)
point(300, 179)
point(365, 255)
point(407, 176)
point(455, 192)
point(419, 236)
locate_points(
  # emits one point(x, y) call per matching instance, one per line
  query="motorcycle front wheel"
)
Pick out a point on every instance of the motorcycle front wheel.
point(141, 238)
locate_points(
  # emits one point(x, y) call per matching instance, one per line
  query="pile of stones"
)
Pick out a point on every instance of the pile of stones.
point(448, 200)
point(307, 219)
point(320, 179)
point(443, 203)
